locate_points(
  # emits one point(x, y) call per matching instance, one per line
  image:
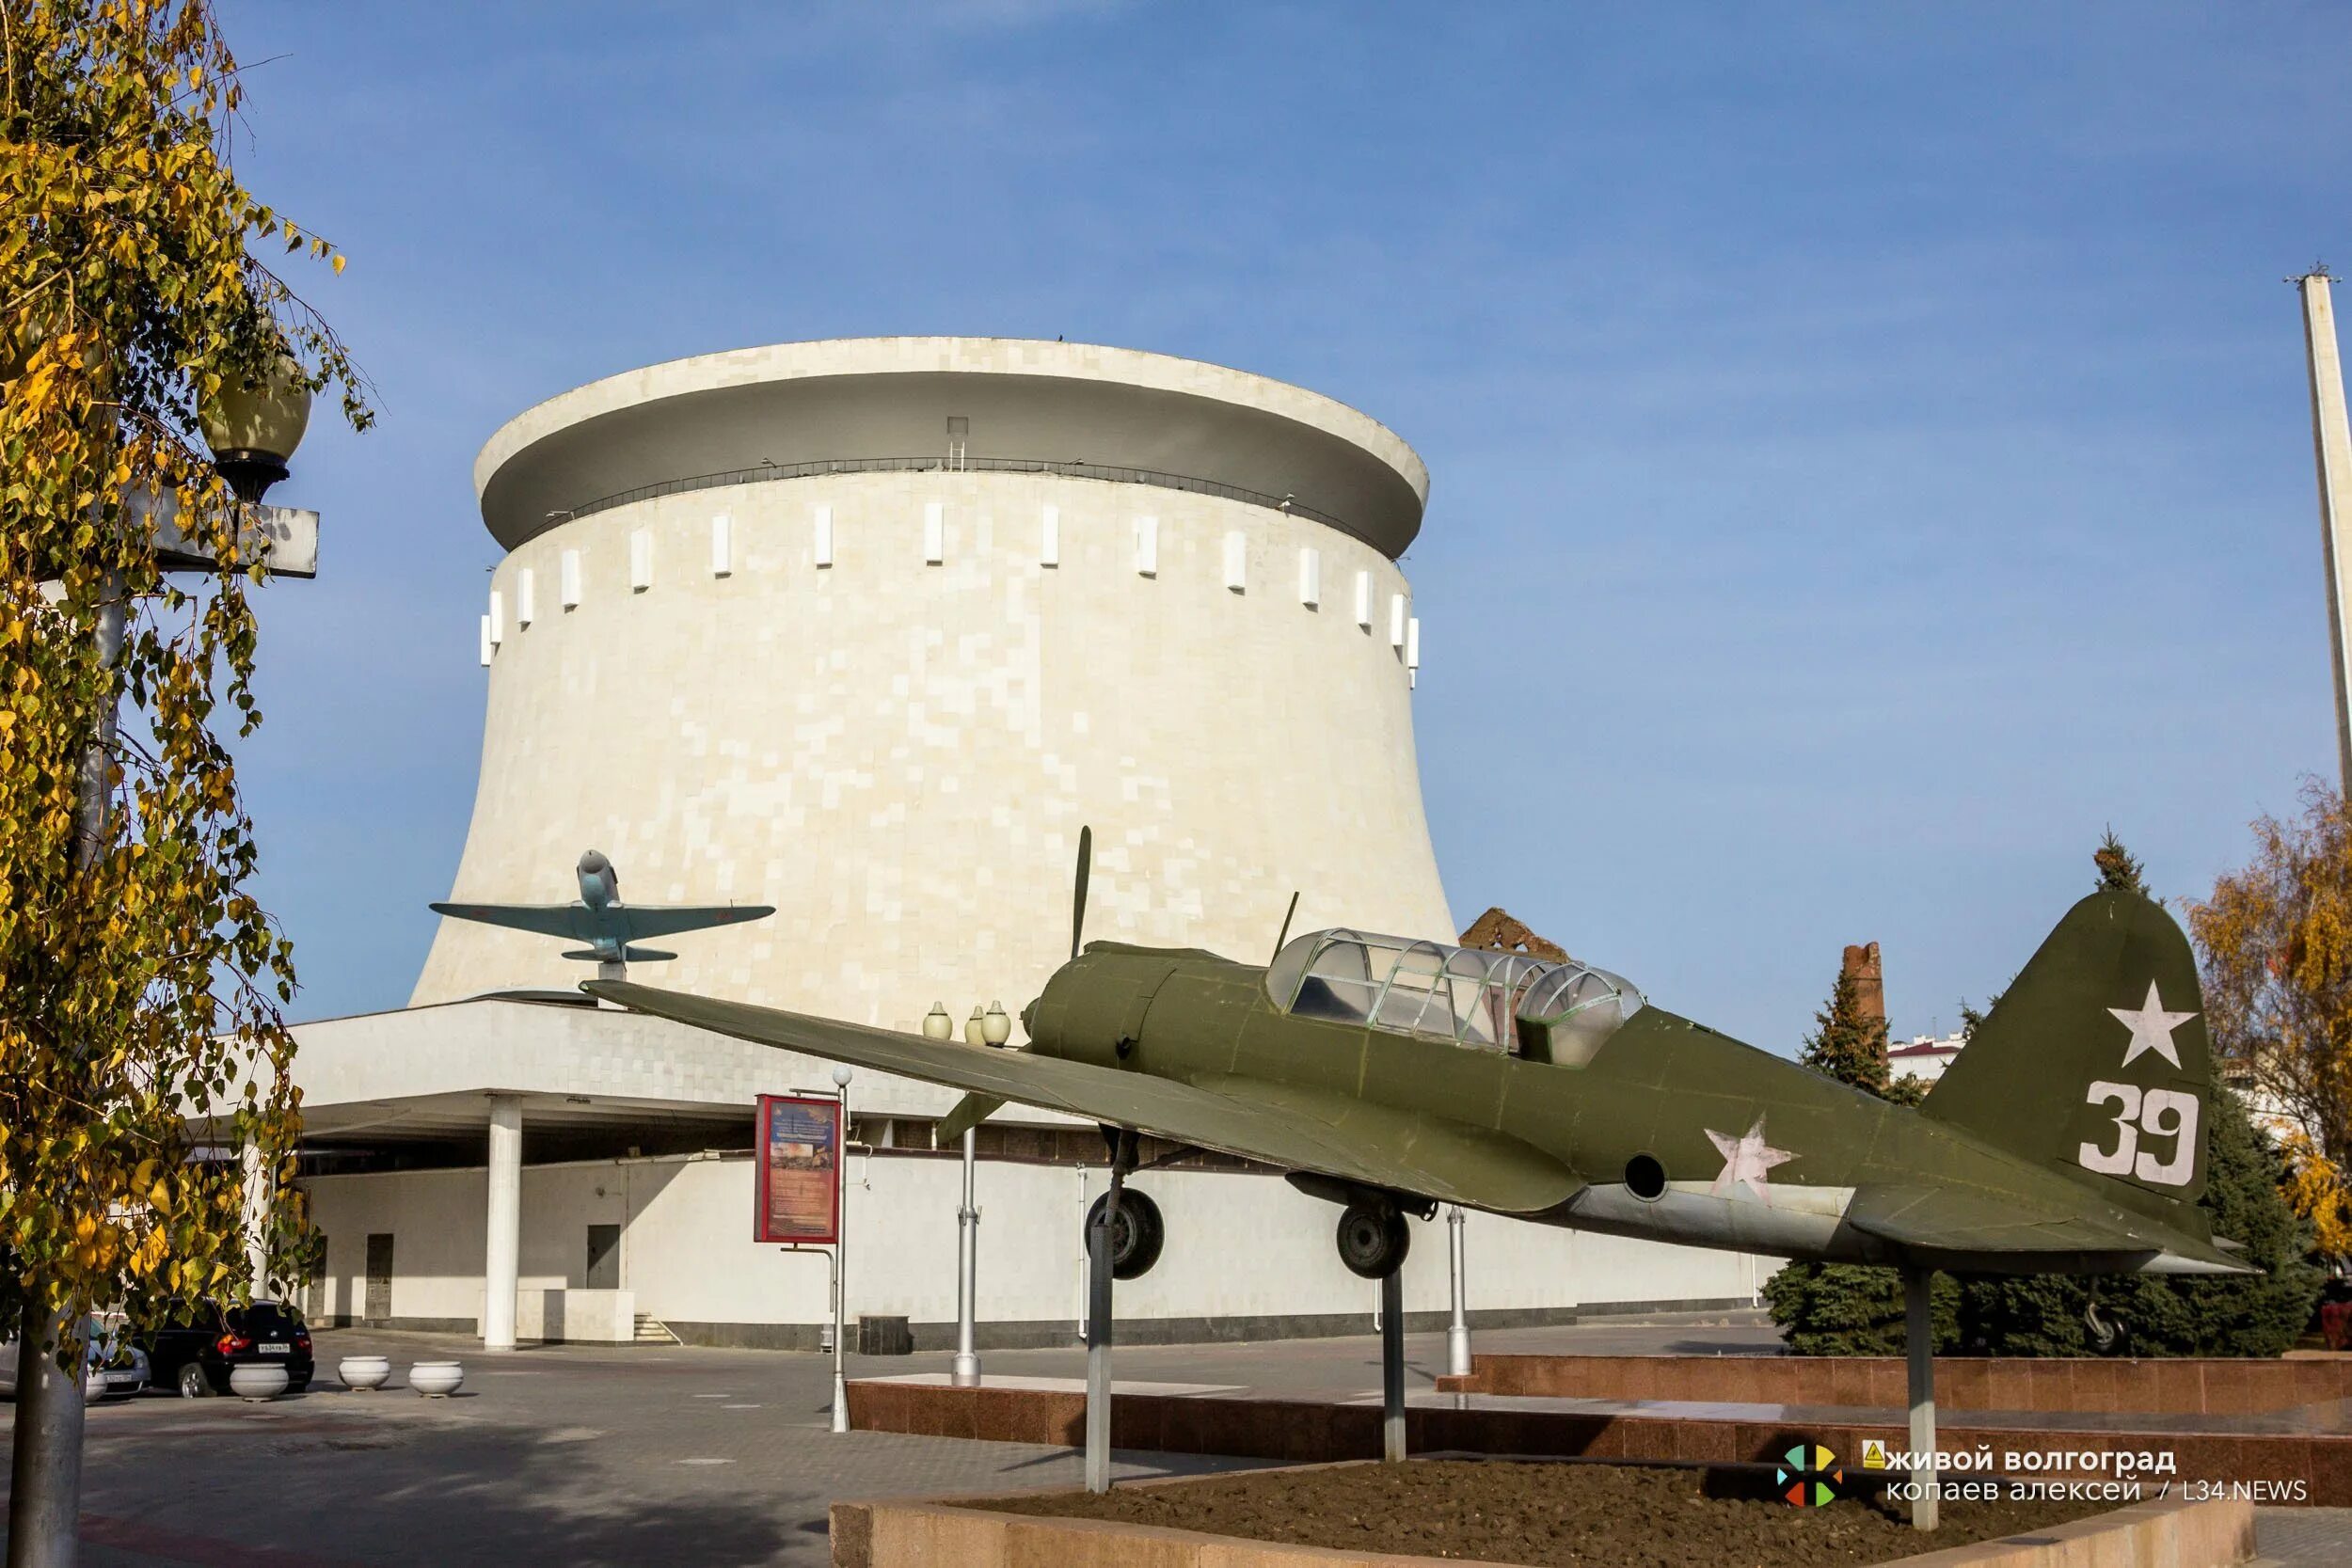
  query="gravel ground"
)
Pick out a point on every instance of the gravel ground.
point(1547, 1515)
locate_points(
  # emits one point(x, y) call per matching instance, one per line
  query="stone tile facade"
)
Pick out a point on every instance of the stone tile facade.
point(900, 755)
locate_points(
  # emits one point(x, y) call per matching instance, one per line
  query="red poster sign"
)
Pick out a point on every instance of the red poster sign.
point(799, 1170)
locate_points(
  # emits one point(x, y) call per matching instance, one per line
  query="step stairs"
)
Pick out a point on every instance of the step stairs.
point(652, 1331)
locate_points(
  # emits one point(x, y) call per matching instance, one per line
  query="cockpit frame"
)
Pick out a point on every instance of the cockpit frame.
point(1471, 997)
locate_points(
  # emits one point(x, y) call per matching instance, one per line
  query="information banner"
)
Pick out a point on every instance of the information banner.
point(799, 1170)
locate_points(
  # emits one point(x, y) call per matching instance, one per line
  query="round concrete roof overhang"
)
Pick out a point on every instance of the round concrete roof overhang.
point(879, 399)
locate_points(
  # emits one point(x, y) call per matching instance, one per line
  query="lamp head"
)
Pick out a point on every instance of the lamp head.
point(841, 1076)
point(253, 429)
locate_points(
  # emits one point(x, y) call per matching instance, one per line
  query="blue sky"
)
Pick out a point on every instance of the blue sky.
point(1869, 444)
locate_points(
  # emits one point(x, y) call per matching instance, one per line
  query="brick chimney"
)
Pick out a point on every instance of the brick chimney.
point(1870, 981)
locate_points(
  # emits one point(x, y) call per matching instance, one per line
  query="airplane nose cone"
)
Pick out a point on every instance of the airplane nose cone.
point(600, 884)
point(1028, 1026)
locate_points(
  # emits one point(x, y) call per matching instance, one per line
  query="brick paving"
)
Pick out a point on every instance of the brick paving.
point(588, 1455)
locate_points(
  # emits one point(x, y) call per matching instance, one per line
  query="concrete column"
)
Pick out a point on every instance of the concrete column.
point(502, 1247)
point(256, 1199)
point(2332, 447)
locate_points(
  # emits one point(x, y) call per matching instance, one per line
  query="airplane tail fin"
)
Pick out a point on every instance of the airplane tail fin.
point(2096, 1061)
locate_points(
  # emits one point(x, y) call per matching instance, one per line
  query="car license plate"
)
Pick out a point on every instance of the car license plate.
point(275, 1350)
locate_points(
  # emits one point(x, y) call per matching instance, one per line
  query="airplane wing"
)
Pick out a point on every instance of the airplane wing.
point(669, 920)
point(1431, 1159)
point(550, 920)
point(1937, 1219)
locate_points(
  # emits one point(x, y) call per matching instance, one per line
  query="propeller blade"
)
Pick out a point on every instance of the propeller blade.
point(1078, 903)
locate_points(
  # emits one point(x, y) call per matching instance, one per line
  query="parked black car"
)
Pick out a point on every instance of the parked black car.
point(195, 1357)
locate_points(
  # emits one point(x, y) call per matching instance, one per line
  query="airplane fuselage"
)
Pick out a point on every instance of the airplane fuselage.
point(1679, 1133)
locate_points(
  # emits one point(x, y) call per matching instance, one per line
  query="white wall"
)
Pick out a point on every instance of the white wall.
point(899, 756)
point(1238, 1245)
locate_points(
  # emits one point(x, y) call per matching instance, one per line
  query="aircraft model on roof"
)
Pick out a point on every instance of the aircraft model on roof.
point(609, 927)
point(1391, 1075)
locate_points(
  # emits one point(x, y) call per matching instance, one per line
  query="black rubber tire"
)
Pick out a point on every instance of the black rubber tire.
point(1138, 1236)
point(1372, 1239)
point(193, 1383)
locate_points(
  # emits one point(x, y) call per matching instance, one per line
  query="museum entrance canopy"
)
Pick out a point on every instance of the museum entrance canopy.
point(1553, 1012)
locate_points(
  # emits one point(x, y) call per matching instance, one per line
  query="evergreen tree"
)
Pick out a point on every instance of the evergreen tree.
point(1844, 1044)
point(1844, 1310)
point(1850, 1310)
point(2119, 868)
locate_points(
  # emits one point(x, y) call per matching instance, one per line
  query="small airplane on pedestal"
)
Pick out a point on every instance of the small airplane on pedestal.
point(599, 918)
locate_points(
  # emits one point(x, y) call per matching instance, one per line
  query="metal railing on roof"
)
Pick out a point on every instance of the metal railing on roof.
point(767, 471)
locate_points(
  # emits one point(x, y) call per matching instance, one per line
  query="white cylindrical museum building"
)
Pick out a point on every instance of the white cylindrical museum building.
point(867, 629)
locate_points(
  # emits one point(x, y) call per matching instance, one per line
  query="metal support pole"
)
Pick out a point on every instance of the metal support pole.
point(841, 1267)
point(45, 1476)
point(1457, 1346)
point(1919, 1353)
point(2331, 441)
point(1097, 1471)
point(1393, 1366)
point(966, 1369)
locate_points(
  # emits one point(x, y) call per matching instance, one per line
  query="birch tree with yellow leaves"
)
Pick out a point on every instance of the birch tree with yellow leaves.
point(2277, 942)
point(140, 1043)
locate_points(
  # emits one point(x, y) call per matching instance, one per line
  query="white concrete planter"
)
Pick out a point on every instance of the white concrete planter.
point(262, 1381)
point(436, 1380)
point(362, 1373)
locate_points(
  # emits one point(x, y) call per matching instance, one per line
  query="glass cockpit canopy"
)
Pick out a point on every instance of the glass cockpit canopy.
point(1556, 1012)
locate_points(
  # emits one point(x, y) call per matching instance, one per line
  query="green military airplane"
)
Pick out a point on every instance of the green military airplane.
point(1391, 1075)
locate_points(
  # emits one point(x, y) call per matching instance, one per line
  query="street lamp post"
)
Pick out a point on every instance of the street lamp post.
point(841, 1250)
point(1458, 1347)
point(964, 1372)
point(991, 1028)
point(252, 434)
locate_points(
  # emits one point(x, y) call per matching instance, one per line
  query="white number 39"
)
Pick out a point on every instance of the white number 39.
point(2158, 1113)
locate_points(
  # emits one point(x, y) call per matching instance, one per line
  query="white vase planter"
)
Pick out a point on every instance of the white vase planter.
point(362, 1373)
point(262, 1381)
point(436, 1380)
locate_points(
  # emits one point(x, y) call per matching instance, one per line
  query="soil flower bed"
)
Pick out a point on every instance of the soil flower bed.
point(1545, 1515)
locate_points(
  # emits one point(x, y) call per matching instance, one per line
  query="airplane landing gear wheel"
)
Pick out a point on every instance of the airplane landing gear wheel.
point(1372, 1239)
point(1137, 1236)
